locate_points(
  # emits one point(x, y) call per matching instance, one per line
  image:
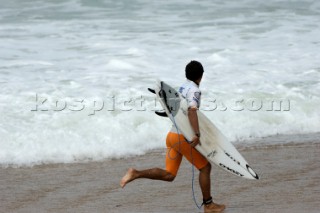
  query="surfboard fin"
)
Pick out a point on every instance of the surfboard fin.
point(161, 113)
point(152, 90)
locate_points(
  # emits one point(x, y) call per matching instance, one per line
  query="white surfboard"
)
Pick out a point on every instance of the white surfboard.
point(214, 145)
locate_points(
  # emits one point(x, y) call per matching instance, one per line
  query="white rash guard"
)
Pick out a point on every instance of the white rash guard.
point(191, 92)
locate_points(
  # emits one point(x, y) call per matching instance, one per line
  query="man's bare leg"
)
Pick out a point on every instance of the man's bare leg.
point(154, 174)
point(205, 185)
point(205, 181)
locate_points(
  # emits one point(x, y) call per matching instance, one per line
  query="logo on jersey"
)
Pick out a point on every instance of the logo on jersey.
point(196, 98)
point(197, 95)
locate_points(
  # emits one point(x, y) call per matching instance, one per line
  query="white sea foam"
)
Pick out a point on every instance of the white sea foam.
point(92, 63)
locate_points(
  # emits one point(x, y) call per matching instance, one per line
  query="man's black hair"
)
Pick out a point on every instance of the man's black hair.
point(194, 70)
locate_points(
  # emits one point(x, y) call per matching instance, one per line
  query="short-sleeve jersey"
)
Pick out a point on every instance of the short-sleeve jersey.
point(191, 92)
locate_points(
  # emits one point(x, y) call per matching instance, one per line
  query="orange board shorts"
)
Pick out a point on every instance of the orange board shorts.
point(177, 146)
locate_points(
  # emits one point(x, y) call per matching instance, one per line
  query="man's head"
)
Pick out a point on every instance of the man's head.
point(194, 71)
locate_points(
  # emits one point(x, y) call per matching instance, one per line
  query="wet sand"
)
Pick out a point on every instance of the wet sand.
point(290, 182)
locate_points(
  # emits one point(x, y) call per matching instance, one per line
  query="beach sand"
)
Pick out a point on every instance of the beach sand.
point(290, 182)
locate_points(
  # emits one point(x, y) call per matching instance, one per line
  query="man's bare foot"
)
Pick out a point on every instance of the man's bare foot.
point(214, 207)
point(128, 177)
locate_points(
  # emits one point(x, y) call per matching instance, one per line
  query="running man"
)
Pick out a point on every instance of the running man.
point(177, 147)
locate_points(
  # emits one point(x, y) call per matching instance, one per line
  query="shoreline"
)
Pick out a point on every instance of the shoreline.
point(289, 183)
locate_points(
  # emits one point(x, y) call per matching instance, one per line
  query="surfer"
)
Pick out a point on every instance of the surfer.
point(177, 146)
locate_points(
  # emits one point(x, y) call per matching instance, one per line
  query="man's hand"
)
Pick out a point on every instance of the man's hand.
point(195, 141)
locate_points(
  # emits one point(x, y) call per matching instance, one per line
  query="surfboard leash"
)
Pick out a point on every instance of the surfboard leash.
point(192, 183)
point(192, 166)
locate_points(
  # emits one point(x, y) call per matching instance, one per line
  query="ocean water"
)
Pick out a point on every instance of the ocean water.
point(74, 73)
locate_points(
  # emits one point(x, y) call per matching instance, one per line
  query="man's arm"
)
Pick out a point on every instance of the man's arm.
point(193, 118)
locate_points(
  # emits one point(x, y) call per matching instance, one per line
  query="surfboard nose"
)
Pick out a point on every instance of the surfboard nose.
point(255, 175)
